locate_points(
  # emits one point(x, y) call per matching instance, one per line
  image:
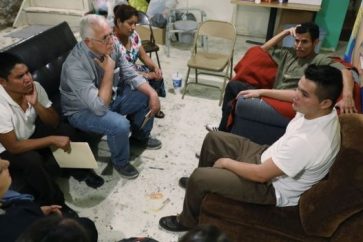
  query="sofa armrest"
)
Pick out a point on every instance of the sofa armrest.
point(350, 230)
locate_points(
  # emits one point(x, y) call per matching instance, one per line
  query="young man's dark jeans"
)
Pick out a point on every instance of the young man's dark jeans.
point(231, 92)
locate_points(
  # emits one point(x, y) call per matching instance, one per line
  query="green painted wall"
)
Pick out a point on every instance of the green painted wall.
point(331, 18)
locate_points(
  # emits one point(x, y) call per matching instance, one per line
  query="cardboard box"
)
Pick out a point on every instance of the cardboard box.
point(290, 16)
point(144, 33)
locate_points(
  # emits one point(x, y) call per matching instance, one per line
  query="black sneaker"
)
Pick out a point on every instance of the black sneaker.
point(153, 144)
point(128, 171)
point(93, 180)
point(150, 144)
point(211, 128)
point(68, 211)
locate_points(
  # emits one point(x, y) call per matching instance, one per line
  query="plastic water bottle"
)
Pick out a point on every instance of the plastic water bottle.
point(177, 82)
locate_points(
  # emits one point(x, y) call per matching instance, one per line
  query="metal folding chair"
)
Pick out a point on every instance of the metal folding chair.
point(149, 45)
point(213, 61)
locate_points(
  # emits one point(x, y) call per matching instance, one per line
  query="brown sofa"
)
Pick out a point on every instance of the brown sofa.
point(331, 210)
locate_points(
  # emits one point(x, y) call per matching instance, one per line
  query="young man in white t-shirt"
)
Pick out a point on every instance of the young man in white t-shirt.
point(29, 126)
point(235, 167)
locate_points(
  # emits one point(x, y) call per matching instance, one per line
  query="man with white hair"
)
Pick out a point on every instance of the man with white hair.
point(101, 93)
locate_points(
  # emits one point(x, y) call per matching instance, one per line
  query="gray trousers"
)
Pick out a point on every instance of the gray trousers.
point(206, 179)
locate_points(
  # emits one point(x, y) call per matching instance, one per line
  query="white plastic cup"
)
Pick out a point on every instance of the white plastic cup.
point(177, 82)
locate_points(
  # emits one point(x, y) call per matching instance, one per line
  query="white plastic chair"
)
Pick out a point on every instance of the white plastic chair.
point(170, 27)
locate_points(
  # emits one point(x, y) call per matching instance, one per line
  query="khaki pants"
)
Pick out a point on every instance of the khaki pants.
point(206, 179)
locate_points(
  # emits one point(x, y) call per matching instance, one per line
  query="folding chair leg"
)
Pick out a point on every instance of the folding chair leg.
point(231, 67)
point(222, 91)
point(196, 75)
point(157, 58)
point(225, 83)
point(167, 41)
point(186, 83)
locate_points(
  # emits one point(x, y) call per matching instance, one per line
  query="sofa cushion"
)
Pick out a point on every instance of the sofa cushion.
point(330, 202)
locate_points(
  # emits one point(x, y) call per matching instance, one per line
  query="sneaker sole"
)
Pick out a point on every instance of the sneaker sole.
point(154, 148)
point(213, 129)
point(129, 177)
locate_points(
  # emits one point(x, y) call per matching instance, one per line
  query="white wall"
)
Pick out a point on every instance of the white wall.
point(215, 9)
point(251, 20)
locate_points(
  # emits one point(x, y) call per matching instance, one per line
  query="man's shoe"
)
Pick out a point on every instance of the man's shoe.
point(211, 128)
point(183, 182)
point(153, 144)
point(93, 180)
point(171, 223)
point(68, 211)
point(128, 171)
point(150, 143)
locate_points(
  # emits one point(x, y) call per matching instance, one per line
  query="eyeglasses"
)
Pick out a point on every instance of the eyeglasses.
point(105, 40)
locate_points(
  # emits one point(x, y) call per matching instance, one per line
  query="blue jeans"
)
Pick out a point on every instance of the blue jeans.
point(258, 121)
point(232, 89)
point(126, 112)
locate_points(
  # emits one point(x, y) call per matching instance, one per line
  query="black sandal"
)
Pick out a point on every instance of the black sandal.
point(160, 114)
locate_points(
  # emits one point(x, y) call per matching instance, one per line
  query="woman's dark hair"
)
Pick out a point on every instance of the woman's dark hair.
point(123, 12)
point(205, 233)
point(54, 228)
point(310, 28)
point(329, 81)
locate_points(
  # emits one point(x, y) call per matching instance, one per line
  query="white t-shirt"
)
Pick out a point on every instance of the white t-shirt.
point(304, 153)
point(14, 118)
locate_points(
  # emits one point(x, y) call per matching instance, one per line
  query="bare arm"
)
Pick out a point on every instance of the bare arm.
point(283, 95)
point(105, 89)
point(15, 146)
point(277, 38)
point(48, 115)
point(154, 102)
point(347, 104)
point(258, 173)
